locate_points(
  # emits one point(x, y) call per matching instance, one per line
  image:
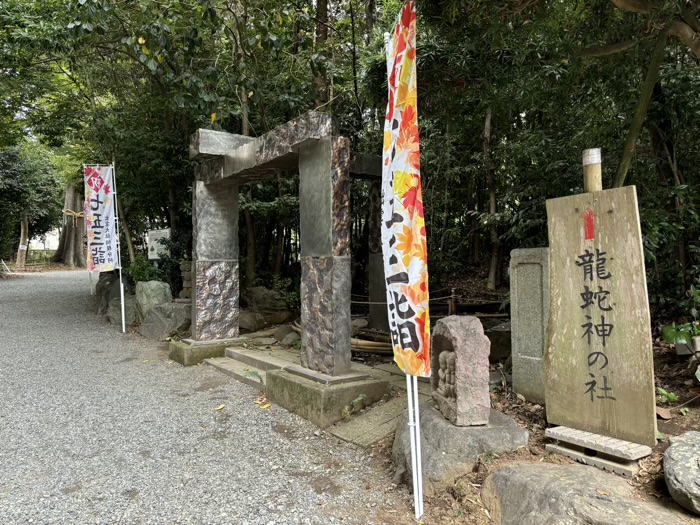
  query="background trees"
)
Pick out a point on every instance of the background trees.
point(131, 80)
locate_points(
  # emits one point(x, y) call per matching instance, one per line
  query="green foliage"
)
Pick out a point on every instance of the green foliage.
point(684, 411)
point(666, 397)
point(143, 270)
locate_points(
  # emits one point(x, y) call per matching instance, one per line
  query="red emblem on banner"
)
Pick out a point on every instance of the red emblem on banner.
point(95, 181)
point(589, 224)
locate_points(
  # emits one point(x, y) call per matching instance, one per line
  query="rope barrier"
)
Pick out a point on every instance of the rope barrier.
point(75, 215)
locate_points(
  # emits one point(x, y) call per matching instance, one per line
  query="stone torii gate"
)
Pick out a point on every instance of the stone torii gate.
point(326, 164)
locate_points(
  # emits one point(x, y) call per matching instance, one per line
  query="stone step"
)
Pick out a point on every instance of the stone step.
point(371, 426)
point(256, 358)
point(607, 445)
point(243, 372)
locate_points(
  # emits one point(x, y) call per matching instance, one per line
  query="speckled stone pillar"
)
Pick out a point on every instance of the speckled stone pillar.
point(324, 207)
point(215, 256)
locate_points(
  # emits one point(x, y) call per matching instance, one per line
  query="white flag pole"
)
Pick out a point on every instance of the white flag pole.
point(119, 251)
point(412, 436)
point(419, 464)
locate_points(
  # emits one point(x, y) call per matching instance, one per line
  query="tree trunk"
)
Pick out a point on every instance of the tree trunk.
point(642, 106)
point(320, 80)
point(23, 242)
point(491, 181)
point(124, 226)
point(69, 250)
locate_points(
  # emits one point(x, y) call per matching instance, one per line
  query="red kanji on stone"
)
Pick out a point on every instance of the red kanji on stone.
point(589, 224)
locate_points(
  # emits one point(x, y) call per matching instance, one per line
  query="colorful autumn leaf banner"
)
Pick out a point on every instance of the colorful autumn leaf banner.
point(403, 222)
point(100, 223)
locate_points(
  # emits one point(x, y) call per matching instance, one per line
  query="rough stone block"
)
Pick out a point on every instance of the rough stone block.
point(460, 370)
point(114, 312)
point(250, 321)
point(450, 452)
point(526, 494)
point(682, 470)
point(529, 299)
point(103, 290)
point(325, 314)
point(165, 319)
point(282, 332)
point(150, 294)
point(216, 300)
point(321, 404)
point(188, 355)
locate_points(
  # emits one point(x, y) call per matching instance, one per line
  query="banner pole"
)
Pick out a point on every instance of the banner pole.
point(412, 435)
point(119, 249)
point(419, 464)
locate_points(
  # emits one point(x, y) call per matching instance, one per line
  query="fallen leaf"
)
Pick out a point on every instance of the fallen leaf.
point(602, 492)
point(265, 406)
point(664, 413)
point(220, 407)
point(520, 397)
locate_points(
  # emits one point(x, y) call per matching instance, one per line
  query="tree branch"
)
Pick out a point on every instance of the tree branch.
point(688, 15)
point(685, 34)
point(607, 50)
point(636, 6)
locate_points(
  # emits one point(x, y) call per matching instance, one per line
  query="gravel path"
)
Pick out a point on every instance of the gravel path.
point(97, 427)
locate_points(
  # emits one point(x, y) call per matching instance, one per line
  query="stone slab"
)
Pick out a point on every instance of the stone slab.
point(372, 426)
point(529, 309)
point(240, 371)
point(323, 405)
point(325, 379)
point(229, 341)
point(207, 143)
point(539, 494)
point(599, 368)
point(188, 355)
point(255, 358)
point(449, 452)
point(624, 468)
point(607, 445)
point(214, 222)
point(215, 309)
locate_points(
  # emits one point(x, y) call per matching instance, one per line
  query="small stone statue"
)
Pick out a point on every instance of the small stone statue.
point(460, 363)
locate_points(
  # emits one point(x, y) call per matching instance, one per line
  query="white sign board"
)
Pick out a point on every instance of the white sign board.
point(156, 248)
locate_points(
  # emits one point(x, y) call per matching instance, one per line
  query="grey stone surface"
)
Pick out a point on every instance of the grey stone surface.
point(282, 331)
point(316, 199)
point(527, 494)
point(607, 445)
point(325, 314)
point(206, 143)
point(114, 312)
point(215, 306)
point(269, 303)
point(340, 198)
point(500, 337)
point(290, 339)
point(450, 452)
point(215, 221)
point(364, 166)
point(460, 370)
point(150, 294)
point(529, 298)
point(250, 321)
point(99, 427)
point(165, 319)
point(103, 289)
point(682, 470)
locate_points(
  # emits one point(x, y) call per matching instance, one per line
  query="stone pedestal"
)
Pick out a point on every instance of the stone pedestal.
point(529, 310)
point(460, 370)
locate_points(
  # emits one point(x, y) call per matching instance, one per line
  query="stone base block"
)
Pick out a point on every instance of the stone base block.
point(188, 354)
point(321, 404)
point(450, 452)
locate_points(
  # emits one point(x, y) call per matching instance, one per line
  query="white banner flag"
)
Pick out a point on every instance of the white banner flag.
point(102, 246)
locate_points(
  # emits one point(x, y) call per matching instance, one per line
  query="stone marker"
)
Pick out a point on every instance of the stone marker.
point(599, 367)
point(150, 294)
point(449, 452)
point(529, 310)
point(526, 494)
point(501, 345)
point(460, 370)
point(682, 470)
point(103, 289)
